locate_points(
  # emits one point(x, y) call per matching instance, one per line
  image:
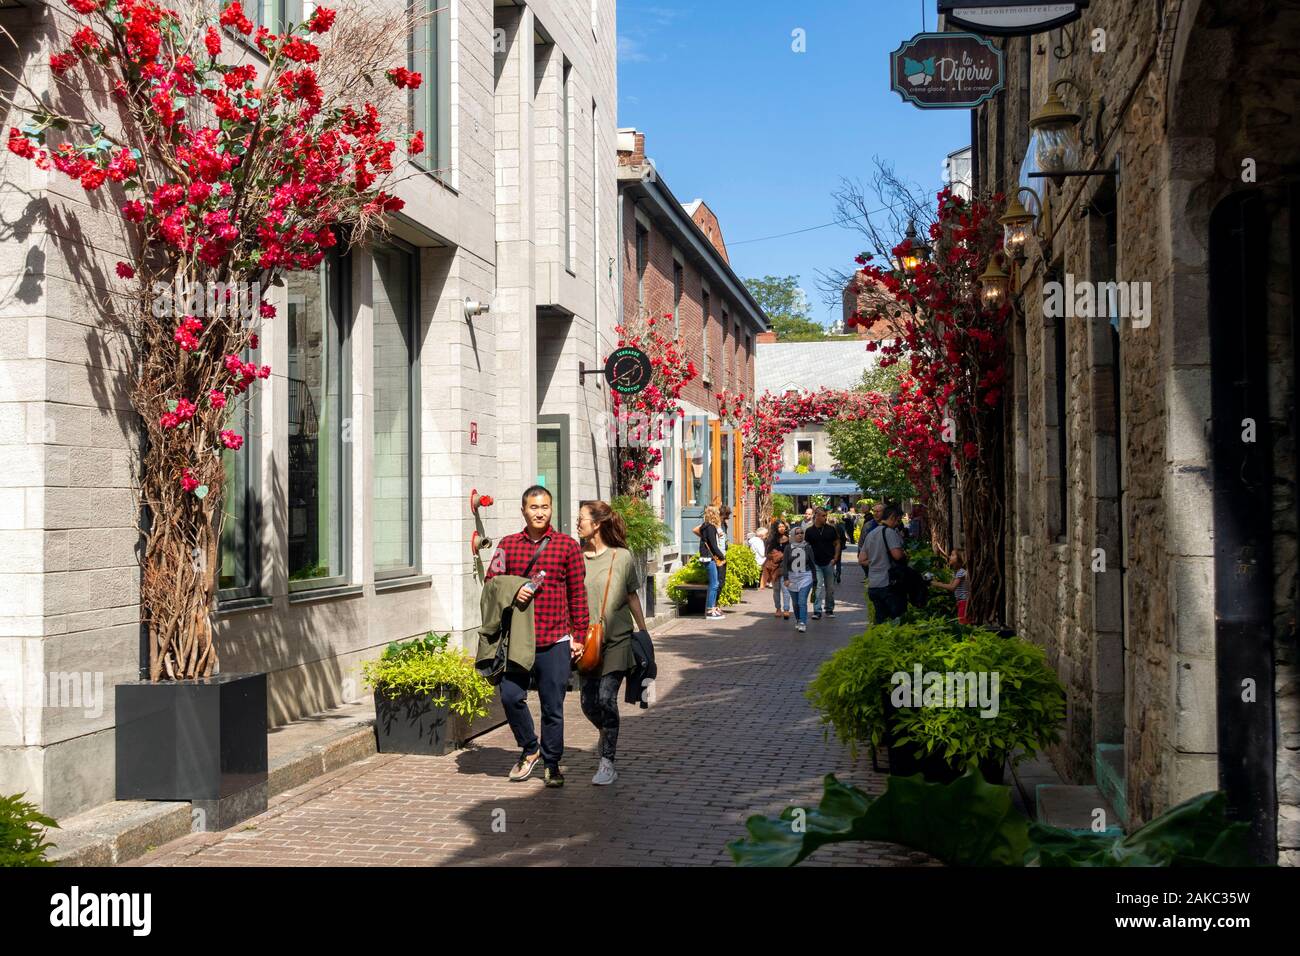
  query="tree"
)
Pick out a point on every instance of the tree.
point(861, 448)
point(786, 306)
point(227, 175)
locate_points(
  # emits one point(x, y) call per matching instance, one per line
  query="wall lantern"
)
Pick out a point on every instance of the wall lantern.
point(1057, 145)
point(918, 250)
point(994, 285)
point(1018, 224)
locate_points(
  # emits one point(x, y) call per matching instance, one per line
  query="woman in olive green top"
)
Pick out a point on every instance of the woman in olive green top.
point(608, 560)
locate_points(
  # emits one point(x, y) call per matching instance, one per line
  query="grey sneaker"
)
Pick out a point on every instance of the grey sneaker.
point(606, 774)
point(801, 627)
point(524, 768)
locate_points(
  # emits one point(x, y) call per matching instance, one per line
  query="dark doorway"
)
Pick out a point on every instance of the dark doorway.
point(1243, 513)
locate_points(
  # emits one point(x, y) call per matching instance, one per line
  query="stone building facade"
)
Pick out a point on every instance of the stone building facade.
point(1151, 521)
point(674, 268)
point(349, 512)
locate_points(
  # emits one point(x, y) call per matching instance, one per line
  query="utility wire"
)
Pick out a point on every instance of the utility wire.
point(825, 225)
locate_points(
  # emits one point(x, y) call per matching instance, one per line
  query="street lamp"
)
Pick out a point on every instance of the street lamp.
point(994, 283)
point(918, 251)
point(1017, 224)
point(1058, 149)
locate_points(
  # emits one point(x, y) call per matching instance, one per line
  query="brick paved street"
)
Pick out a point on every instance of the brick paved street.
point(731, 735)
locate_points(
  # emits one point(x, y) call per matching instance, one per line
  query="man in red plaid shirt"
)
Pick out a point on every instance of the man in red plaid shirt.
point(560, 624)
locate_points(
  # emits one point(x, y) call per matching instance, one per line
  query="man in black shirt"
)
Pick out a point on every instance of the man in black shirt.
point(825, 541)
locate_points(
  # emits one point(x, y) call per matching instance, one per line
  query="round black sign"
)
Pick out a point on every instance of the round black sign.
point(628, 370)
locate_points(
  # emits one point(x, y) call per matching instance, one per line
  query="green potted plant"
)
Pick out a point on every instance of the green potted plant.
point(743, 565)
point(22, 833)
point(687, 586)
point(429, 699)
point(941, 696)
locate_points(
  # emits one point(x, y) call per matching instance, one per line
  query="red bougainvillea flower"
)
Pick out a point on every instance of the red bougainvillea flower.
point(20, 144)
point(217, 398)
point(403, 78)
point(971, 450)
point(85, 6)
point(416, 146)
point(321, 20)
point(61, 63)
point(233, 16)
point(231, 440)
point(212, 41)
point(188, 481)
point(125, 271)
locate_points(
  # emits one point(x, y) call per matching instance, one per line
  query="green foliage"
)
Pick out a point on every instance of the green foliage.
point(22, 833)
point(645, 532)
point(425, 665)
point(692, 572)
point(971, 822)
point(782, 505)
point(742, 563)
point(819, 501)
point(786, 307)
point(853, 688)
point(861, 450)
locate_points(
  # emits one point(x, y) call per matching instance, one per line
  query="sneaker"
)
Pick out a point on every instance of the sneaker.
point(523, 769)
point(553, 778)
point(787, 615)
point(817, 615)
point(606, 774)
point(830, 613)
point(801, 627)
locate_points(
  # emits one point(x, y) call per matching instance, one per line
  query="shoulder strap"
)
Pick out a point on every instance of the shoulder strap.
point(536, 554)
point(607, 581)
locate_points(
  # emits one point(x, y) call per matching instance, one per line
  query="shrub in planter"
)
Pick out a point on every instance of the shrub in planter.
point(742, 563)
point(858, 695)
point(22, 833)
point(692, 572)
point(782, 505)
point(425, 695)
point(645, 532)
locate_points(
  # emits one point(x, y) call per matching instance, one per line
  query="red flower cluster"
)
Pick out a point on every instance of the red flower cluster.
point(403, 78)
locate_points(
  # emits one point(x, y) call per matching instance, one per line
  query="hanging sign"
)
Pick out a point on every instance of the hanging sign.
point(628, 370)
point(946, 71)
point(1010, 18)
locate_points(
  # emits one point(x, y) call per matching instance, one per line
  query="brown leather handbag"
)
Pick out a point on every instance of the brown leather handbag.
point(593, 649)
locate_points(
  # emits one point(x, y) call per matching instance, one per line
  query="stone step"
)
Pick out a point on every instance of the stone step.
point(1075, 808)
point(1108, 770)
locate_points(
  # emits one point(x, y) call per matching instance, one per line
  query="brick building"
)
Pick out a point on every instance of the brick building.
point(674, 262)
point(1151, 520)
point(349, 522)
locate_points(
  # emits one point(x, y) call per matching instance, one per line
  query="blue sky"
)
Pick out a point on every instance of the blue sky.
point(734, 116)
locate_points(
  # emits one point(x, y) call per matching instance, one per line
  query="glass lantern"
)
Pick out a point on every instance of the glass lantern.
point(1017, 223)
point(1056, 135)
point(993, 285)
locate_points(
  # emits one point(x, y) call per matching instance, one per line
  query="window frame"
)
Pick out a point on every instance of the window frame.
point(429, 107)
point(339, 321)
point(249, 423)
point(414, 420)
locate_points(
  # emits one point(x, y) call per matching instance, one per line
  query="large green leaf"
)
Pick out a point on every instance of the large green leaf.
point(967, 823)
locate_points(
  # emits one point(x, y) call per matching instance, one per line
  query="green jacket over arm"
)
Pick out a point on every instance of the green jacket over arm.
point(497, 601)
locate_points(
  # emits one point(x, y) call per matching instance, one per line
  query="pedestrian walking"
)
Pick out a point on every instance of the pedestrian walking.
point(825, 542)
point(796, 574)
point(552, 572)
point(614, 578)
point(778, 537)
point(884, 550)
point(758, 544)
point(837, 522)
point(958, 585)
point(714, 559)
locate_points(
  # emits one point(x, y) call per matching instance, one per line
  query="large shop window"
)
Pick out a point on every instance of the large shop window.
point(395, 508)
point(240, 565)
point(318, 499)
point(429, 54)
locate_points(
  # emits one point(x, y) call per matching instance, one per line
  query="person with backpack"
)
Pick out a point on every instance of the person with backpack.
point(884, 551)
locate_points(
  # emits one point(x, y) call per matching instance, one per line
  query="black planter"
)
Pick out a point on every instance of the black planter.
point(903, 763)
point(203, 741)
point(414, 724)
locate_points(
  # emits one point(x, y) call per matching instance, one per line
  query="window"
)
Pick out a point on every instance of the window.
point(318, 493)
point(679, 283)
point(240, 526)
point(395, 505)
point(669, 490)
point(566, 161)
point(704, 339)
point(275, 15)
point(745, 359)
point(804, 454)
point(429, 54)
point(642, 258)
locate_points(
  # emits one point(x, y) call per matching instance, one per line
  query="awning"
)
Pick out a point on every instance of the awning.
point(813, 483)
